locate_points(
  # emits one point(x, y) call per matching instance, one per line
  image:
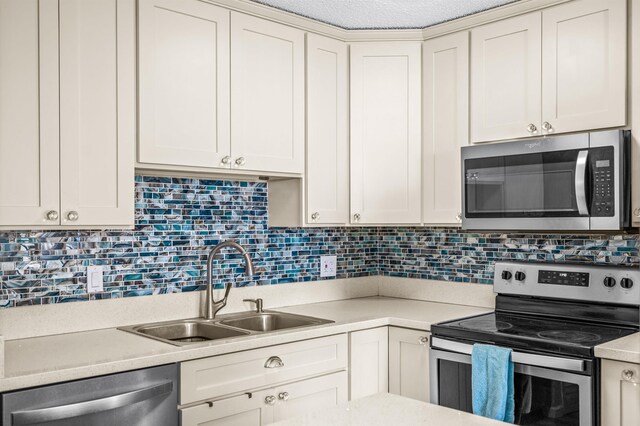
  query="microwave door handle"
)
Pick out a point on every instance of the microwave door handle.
point(581, 183)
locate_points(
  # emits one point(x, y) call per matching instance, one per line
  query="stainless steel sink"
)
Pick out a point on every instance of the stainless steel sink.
point(187, 332)
point(272, 321)
point(199, 330)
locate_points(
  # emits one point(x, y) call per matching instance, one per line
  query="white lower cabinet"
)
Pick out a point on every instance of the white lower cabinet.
point(270, 405)
point(620, 394)
point(409, 363)
point(368, 362)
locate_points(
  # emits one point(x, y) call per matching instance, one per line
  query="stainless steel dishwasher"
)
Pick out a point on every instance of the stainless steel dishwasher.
point(141, 397)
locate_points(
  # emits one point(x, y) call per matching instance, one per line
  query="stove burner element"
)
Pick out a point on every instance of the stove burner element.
point(569, 336)
point(485, 325)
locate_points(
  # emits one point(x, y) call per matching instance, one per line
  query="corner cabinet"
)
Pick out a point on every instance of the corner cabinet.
point(409, 363)
point(67, 127)
point(446, 126)
point(386, 133)
point(555, 71)
point(368, 362)
point(620, 393)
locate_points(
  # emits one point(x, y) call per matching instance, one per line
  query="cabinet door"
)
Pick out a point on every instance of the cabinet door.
point(369, 362)
point(29, 144)
point(446, 125)
point(184, 83)
point(300, 398)
point(620, 394)
point(506, 79)
point(249, 409)
point(409, 363)
point(267, 95)
point(385, 133)
point(584, 45)
point(327, 174)
point(97, 111)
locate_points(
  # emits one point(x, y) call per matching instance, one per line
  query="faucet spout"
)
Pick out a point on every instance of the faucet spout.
point(213, 306)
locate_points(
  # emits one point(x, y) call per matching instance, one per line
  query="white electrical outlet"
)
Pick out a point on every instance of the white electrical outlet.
point(327, 266)
point(94, 279)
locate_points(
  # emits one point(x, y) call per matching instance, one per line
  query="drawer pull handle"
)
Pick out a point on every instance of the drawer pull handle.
point(423, 340)
point(627, 374)
point(283, 396)
point(274, 362)
point(270, 400)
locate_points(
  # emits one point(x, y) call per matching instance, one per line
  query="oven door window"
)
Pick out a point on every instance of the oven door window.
point(527, 185)
point(540, 399)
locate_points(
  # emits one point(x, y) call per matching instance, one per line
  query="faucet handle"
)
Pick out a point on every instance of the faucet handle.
point(258, 303)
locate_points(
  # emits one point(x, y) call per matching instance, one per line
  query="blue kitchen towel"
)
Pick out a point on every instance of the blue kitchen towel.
point(492, 382)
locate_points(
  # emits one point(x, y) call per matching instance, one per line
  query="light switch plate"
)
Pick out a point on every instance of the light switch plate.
point(327, 266)
point(94, 279)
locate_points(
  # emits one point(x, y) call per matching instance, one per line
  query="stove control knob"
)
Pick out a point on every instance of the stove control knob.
point(506, 275)
point(626, 283)
point(609, 282)
point(520, 276)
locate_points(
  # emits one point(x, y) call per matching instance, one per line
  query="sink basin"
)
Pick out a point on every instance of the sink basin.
point(186, 332)
point(271, 321)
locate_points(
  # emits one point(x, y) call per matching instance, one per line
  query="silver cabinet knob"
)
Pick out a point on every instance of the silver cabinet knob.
point(423, 340)
point(459, 217)
point(356, 217)
point(283, 396)
point(270, 400)
point(547, 127)
point(531, 128)
point(636, 212)
point(52, 215)
point(72, 216)
point(274, 362)
point(627, 374)
point(315, 216)
point(240, 161)
point(225, 160)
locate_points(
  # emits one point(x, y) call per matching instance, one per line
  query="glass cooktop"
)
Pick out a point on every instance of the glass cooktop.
point(531, 332)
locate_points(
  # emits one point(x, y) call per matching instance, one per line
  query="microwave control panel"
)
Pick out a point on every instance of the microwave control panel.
point(602, 182)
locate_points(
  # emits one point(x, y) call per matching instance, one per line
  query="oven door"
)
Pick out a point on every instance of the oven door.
point(543, 396)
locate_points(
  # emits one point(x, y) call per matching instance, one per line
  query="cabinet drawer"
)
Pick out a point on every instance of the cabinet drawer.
point(213, 377)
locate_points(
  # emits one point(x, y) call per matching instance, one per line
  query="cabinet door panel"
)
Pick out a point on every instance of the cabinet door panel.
point(240, 410)
point(29, 144)
point(97, 111)
point(446, 125)
point(620, 395)
point(369, 362)
point(409, 363)
point(184, 83)
point(310, 395)
point(506, 78)
point(385, 132)
point(267, 95)
point(584, 44)
point(327, 131)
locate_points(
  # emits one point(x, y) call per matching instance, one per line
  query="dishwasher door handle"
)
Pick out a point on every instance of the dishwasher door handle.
point(61, 412)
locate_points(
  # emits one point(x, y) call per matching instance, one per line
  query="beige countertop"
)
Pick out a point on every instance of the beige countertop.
point(385, 409)
point(626, 349)
point(50, 359)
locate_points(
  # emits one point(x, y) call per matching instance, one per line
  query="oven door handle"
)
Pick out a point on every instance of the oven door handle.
point(581, 183)
point(545, 361)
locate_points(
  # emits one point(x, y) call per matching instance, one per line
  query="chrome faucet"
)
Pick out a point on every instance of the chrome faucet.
point(213, 306)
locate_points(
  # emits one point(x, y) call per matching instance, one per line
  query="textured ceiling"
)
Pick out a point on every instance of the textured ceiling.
point(379, 14)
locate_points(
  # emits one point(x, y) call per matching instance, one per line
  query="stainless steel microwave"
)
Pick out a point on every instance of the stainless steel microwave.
point(570, 182)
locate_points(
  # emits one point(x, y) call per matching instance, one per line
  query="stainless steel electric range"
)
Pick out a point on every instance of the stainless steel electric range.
point(552, 316)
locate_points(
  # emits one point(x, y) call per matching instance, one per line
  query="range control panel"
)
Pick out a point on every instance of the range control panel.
point(610, 284)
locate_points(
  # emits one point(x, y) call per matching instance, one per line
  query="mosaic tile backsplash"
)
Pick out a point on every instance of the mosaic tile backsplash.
point(178, 220)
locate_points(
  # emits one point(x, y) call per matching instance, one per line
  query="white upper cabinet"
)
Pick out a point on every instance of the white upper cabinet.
point(184, 83)
point(506, 79)
point(385, 133)
point(29, 144)
point(584, 46)
point(67, 128)
point(327, 175)
point(97, 111)
point(446, 125)
point(267, 95)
